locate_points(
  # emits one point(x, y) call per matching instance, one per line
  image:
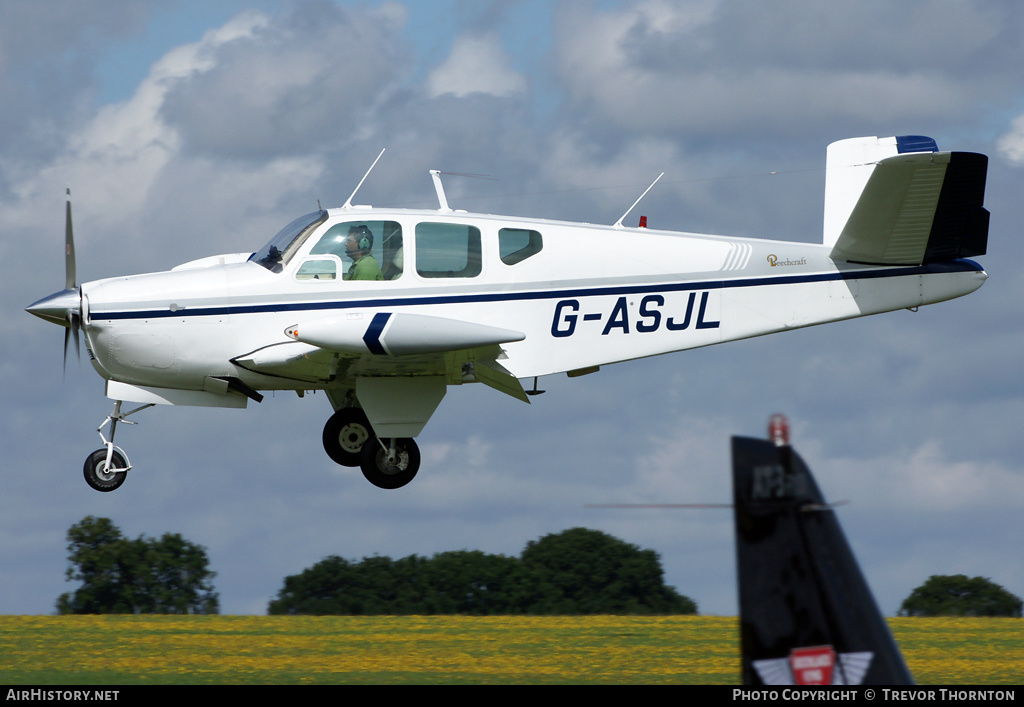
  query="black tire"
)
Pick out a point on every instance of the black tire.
point(105, 480)
point(345, 435)
point(390, 476)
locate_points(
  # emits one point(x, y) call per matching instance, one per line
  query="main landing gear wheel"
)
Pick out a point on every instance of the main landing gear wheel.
point(103, 479)
point(345, 434)
point(391, 473)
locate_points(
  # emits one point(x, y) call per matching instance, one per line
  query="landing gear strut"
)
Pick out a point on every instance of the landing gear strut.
point(391, 463)
point(107, 468)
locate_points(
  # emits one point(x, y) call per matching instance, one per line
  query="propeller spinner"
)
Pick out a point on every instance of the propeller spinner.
point(64, 307)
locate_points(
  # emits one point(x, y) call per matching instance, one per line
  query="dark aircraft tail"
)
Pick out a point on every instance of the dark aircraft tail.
point(807, 616)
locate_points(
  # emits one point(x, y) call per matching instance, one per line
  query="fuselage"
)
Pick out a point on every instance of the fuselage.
point(583, 295)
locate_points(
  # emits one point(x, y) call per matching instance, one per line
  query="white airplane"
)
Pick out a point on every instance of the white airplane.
point(458, 297)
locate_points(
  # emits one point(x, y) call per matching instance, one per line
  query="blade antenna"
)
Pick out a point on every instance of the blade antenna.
point(435, 174)
point(439, 188)
point(348, 202)
point(618, 224)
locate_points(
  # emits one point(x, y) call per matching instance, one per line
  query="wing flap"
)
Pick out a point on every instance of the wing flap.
point(494, 375)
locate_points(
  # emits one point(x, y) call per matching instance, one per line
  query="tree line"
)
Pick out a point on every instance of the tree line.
point(577, 571)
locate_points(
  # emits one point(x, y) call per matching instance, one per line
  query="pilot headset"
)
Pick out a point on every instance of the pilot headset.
point(364, 236)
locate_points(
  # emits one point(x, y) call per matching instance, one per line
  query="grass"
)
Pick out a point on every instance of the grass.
point(134, 650)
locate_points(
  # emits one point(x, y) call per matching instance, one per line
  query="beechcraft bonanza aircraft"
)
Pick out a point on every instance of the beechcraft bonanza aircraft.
point(383, 309)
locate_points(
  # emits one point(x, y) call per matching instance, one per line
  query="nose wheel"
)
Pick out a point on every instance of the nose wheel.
point(107, 468)
point(103, 474)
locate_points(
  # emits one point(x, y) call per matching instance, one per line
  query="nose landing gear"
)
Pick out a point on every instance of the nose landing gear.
point(107, 468)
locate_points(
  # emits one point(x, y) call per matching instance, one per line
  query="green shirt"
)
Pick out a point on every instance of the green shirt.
point(366, 268)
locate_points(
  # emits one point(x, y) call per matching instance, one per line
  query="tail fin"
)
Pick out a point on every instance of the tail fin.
point(899, 201)
point(806, 613)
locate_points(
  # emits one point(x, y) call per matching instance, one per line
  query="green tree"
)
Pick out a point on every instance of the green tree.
point(960, 595)
point(582, 571)
point(141, 576)
point(472, 582)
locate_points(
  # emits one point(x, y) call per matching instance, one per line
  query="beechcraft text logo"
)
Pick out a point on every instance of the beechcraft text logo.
point(815, 665)
point(773, 260)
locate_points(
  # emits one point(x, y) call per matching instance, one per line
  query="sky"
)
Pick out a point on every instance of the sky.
point(188, 128)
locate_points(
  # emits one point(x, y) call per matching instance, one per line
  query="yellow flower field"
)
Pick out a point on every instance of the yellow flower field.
point(121, 650)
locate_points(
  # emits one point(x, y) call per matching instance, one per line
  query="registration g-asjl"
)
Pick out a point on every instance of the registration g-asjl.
point(650, 315)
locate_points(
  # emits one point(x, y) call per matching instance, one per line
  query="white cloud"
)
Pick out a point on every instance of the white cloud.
point(929, 478)
point(477, 64)
point(712, 69)
point(1012, 143)
point(112, 162)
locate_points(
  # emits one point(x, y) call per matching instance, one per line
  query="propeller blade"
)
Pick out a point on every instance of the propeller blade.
point(64, 307)
point(74, 322)
point(67, 335)
point(69, 249)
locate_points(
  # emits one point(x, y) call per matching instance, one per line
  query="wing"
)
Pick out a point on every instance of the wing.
point(390, 344)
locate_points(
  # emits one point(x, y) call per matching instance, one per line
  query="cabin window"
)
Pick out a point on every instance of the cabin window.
point(359, 250)
point(275, 254)
point(517, 244)
point(447, 250)
point(317, 269)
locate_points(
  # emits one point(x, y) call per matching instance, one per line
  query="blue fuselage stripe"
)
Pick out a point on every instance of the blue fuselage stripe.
point(372, 336)
point(947, 267)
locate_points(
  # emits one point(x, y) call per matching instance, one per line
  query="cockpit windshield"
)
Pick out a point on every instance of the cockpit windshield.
point(281, 247)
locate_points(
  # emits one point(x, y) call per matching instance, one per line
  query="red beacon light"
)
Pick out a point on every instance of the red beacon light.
point(778, 430)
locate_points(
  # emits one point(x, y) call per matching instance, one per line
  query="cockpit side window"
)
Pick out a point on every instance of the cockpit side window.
point(363, 250)
point(517, 244)
point(447, 250)
point(276, 254)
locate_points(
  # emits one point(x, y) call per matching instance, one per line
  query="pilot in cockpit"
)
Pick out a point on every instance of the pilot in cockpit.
point(358, 245)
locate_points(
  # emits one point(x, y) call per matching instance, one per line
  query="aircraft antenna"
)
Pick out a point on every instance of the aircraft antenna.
point(618, 224)
point(348, 202)
point(439, 188)
point(435, 174)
